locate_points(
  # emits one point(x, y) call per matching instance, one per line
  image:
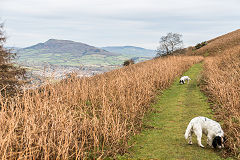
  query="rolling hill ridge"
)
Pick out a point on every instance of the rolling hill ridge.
point(67, 46)
point(65, 56)
point(70, 53)
point(131, 50)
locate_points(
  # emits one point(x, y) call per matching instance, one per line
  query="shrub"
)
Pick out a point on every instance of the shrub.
point(200, 45)
point(128, 62)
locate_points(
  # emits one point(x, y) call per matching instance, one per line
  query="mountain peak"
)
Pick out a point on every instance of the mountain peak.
point(67, 46)
point(59, 41)
point(52, 39)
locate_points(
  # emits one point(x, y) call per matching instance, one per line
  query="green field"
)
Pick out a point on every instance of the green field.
point(68, 59)
point(73, 61)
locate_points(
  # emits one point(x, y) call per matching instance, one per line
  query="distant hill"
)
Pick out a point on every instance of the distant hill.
point(67, 53)
point(13, 48)
point(131, 51)
point(70, 53)
point(66, 46)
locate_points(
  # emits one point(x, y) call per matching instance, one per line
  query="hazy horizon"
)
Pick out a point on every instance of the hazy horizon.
point(103, 23)
point(77, 42)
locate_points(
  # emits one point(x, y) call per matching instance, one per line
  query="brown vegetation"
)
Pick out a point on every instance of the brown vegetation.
point(217, 45)
point(222, 84)
point(84, 117)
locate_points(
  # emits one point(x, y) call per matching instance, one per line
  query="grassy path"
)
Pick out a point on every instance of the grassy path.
point(163, 136)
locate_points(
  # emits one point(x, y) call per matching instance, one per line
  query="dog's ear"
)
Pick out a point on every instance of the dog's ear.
point(214, 143)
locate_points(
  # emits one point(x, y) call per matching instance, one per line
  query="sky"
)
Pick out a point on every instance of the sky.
point(117, 22)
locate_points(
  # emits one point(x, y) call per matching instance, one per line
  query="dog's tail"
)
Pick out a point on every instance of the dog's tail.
point(188, 130)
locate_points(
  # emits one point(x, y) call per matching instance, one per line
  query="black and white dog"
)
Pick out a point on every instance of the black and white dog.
point(183, 79)
point(211, 128)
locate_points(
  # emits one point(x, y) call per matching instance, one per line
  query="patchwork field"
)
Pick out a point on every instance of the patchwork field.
point(71, 60)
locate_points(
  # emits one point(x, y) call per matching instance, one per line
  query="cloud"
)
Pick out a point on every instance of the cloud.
point(117, 22)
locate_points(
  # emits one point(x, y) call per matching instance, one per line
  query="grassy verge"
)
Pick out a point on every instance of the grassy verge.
point(163, 135)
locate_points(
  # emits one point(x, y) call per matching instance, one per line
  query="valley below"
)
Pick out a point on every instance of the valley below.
point(54, 59)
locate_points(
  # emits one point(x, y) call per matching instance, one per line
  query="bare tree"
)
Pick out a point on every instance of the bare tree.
point(11, 76)
point(169, 43)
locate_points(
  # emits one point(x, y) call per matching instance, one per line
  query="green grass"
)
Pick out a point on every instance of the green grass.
point(164, 128)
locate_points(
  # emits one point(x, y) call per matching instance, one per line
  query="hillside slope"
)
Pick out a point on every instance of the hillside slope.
point(218, 45)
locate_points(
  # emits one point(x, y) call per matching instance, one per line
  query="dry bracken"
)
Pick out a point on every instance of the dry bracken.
point(89, 117)
point(222, 84)
point(218, 45)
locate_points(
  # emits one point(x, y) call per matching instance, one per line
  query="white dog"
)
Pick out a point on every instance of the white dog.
point(211, 128)
point(183, 79)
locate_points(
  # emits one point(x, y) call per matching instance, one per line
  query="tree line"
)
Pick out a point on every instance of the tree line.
point(11, 75)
